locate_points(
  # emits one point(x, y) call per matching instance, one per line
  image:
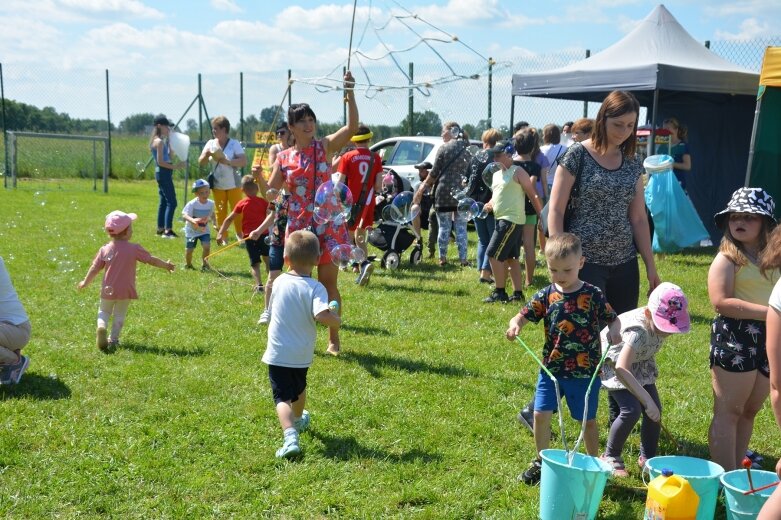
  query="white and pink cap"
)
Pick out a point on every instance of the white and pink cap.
point(118, 221)
point(669, 308)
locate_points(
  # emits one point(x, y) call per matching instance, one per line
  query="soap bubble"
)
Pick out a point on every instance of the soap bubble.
point(459, 193)
point(358, 255)
point(140, 167)
point(333, 202)
point(108, 291)
point(344, 255)
point(401, 209)
point(468, 208)
point(489, 171)
point(39, 198)
point(472, 149)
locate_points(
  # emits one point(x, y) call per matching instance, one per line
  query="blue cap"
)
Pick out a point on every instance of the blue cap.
point(200, 183)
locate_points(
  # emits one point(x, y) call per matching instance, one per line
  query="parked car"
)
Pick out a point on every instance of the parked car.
point(401, 154)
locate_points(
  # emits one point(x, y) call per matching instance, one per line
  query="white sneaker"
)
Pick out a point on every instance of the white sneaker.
point(265, 317)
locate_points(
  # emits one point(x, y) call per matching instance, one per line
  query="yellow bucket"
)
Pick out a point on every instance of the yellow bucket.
point(670, 497)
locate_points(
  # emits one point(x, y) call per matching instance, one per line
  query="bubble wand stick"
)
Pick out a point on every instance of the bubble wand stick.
point(225, 248)
point(555, 385)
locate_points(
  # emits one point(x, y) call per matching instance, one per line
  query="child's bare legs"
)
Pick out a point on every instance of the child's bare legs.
point(735, 398)
point(500, 272)
point(541, 240)
point(360, 240)
point(255, 269)
point(542, 430)
point(272, 275)
point(591, 436)
point(529, 258)
point(206, 246)
point(328, 274)
point(188, 256)
point(515, 273)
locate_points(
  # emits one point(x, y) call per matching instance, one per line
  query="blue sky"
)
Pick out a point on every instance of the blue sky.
point(54, 52)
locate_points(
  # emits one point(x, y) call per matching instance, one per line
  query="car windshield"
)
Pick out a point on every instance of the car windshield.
point(409, 153)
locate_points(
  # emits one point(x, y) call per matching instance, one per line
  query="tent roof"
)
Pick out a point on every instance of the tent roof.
point(657, 54)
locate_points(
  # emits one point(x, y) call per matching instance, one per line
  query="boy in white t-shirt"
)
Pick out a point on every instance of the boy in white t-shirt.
point(197, 213)
point(298, 301)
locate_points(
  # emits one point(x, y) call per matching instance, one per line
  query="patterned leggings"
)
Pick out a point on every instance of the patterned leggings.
point(446, 220)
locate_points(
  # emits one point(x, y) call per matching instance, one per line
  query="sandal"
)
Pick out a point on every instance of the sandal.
point(617, 464)
point(442, 262)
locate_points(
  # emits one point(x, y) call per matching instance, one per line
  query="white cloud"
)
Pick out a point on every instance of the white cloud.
point(749, 28)
point(226, 5)
point(130, 7)
point(753, 8)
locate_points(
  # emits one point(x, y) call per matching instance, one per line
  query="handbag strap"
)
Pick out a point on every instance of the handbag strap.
point(366, 180)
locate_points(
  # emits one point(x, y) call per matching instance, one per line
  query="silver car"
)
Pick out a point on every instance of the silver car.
point(401, 154)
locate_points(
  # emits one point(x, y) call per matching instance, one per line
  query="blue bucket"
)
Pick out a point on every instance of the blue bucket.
point(744, 507)
point(571, 491)
point(703, 476)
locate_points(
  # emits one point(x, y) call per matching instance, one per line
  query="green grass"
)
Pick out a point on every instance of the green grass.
point(416, 419)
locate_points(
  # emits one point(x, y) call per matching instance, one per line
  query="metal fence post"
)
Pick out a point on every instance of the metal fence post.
point(241, 107)
point(200, 110)
point(585, 103)
point(5, 135)
point(107, 151)
point(289, 88)
point(411, 100)
point(12, 152)
point(490, 87)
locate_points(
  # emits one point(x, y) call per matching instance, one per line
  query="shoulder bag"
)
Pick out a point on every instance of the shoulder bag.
point(571, 202)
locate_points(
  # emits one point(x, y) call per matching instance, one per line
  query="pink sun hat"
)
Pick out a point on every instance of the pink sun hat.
point(118, 221)
point(669, 308)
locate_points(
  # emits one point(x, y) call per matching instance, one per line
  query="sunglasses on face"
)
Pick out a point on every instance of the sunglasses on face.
point(282, 132)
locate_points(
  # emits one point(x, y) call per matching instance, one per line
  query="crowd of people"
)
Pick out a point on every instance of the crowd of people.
point(591, 305)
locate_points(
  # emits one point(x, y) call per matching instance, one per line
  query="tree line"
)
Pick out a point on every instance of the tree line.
point(24, 117)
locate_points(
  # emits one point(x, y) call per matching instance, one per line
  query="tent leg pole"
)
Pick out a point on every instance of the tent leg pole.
point(652, 138)
point(753, 141)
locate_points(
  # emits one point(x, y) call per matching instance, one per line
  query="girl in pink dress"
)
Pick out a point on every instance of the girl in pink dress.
point(302, 168)
point(119, 257)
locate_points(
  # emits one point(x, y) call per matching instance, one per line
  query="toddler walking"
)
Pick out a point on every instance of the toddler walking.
point(630, 371)
point(197, 213)
point(299, 301)
point(571, 310)
point(119, 258)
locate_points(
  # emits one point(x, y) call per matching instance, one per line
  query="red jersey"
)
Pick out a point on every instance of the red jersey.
point(253, 211)
point(355, 166)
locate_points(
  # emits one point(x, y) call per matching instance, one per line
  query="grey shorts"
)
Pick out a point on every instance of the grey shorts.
point(14, 337)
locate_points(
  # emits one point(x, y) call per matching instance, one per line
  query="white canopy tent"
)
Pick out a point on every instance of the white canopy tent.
point(671, 74)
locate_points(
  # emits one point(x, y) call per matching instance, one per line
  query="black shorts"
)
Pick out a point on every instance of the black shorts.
point(256, 249)
point(738, 345)
point(506, 241)
point(286, 383)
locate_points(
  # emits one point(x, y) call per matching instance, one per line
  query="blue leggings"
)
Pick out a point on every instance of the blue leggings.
point(165, 188)
point(446, 221)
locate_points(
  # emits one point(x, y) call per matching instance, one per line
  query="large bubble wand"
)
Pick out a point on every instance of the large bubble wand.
point(555, 385)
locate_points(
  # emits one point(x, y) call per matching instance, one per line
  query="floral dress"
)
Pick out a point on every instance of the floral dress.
point(304, 171)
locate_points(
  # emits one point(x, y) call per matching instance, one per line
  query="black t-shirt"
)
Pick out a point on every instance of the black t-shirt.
point(534, 170)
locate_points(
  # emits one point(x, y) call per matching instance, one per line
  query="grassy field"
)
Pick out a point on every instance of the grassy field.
point(42, 159)
point(416, 419)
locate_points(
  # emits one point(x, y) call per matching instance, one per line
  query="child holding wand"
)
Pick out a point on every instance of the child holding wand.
point(119, 257)
point(630, 371)
point(571, 311)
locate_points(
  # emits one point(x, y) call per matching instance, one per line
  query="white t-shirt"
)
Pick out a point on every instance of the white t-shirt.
point(225, 176)
point(553, 152)
point(639, 336)
point(197, 209)
point(775, 297)
point(11, 309)
point(295, 302)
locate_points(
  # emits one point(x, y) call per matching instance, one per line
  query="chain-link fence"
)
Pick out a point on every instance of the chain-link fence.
point(82, 101)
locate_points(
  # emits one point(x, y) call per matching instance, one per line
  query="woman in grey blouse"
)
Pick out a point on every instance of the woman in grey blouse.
point(609, 215)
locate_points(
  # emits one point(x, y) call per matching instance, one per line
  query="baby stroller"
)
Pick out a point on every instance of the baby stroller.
point(394, 239)
point(391, 237)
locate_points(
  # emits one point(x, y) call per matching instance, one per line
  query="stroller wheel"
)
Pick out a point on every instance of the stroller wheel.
point(415, 256)
point(391, 260)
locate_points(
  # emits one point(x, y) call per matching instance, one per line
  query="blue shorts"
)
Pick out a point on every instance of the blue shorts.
point(205, 241)
point(572, 390)
point(276, 255)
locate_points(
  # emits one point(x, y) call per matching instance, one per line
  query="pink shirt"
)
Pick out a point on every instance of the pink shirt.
point(119, 257)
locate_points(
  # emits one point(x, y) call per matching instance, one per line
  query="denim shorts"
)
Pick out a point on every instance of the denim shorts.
point(276, 255)
point(192, 241)
point(572, 390)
